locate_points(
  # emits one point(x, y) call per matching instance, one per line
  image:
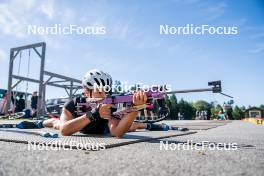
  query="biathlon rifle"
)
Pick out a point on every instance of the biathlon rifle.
point(155, 106)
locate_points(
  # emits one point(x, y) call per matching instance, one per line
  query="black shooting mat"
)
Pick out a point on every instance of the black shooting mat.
point(78, 139)
point(109, 141)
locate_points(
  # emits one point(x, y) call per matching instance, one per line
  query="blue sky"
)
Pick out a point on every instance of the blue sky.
point(133, 50)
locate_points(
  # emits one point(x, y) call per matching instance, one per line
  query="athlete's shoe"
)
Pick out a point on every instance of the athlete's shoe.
point(30, 125)
point(157, 127)
point(163, 127)
point(179, 129)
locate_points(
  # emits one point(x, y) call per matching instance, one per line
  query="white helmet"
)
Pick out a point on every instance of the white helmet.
point(96, 78)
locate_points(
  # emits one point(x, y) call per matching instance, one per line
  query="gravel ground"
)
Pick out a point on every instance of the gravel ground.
point(147, 158)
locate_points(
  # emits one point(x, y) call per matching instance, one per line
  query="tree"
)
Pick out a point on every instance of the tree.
point(186, 109)
point(201, 105)
point(238, 113)
point(189, 111)
point(168, 103)
point(229, 113)
point(243, 108)
point(174, 107)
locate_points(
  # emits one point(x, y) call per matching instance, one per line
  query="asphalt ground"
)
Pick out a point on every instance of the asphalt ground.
point(149, 158)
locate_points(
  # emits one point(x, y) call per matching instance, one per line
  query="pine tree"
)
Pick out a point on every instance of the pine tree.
point(238, 113)
point(174, 108)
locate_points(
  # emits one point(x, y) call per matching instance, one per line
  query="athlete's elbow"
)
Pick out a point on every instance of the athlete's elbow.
point(117, 134)
point(64, 131)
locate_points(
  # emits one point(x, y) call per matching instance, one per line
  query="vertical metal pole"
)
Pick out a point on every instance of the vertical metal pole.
point(71, 90)
point(10, 73)
point(44, 97)
point(40, 107)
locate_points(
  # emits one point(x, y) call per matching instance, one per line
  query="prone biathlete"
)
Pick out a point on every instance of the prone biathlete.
point(99, 120)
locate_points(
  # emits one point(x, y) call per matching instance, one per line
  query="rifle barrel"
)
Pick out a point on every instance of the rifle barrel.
point(190, 90)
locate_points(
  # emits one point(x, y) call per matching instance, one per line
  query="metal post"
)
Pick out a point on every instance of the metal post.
point(42, 84)
point(44, 97)
point(71, 87)
point(9, 88)
point(40, 106)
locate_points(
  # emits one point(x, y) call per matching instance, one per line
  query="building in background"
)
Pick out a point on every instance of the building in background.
point(254, 112)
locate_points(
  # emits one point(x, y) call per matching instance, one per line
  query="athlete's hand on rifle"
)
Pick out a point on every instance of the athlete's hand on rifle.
point(139, 98)
point(105, 111)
